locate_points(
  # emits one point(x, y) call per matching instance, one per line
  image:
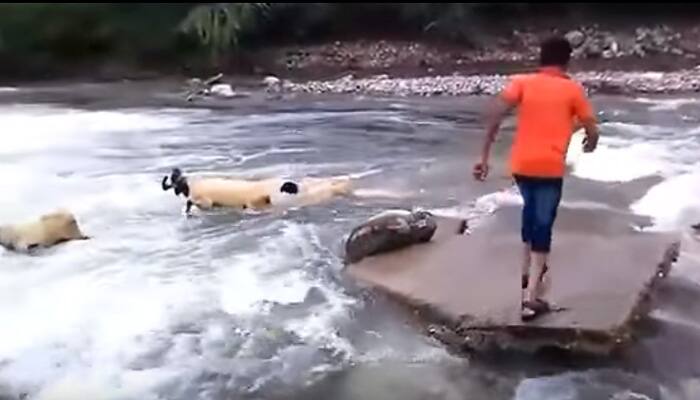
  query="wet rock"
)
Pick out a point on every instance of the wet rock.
point(593, 49)
point(388, 231)
point(638, 50)
point(273, 84)
point(658, 40)
point(213, 86)
point(222, 90)
point(576, 38)
point(610, 43)
point(481, 312)
point(641, 33)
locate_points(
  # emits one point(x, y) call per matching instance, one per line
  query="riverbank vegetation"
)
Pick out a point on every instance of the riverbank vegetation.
point(40, 38)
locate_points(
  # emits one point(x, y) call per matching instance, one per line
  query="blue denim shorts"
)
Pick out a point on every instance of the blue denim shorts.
point(541, 197)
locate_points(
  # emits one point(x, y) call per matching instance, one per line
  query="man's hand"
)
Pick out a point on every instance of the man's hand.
point(590, 143)
point(481, 171)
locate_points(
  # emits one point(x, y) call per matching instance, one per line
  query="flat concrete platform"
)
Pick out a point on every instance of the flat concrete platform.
point(466, 288)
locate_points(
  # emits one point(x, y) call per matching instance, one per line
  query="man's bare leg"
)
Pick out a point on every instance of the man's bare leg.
point(544, 281)
point(533, 286)
point(527, 260)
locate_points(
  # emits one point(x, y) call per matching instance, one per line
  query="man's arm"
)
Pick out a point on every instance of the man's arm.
point(584, 112)
point(591, 129)
point(494, 117)
point(501, 105)
point(496, 113)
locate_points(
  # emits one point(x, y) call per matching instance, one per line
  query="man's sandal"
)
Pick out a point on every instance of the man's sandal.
point(533, 309)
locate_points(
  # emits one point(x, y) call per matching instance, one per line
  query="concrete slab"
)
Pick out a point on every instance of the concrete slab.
point(468, 287)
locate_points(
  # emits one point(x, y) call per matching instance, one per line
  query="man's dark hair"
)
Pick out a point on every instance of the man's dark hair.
point(555, 51)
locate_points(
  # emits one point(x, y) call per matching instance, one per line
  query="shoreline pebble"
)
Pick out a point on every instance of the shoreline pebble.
point(608, 82)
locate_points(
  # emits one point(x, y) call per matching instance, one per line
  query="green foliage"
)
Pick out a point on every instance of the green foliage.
point(219, 26)
point(39, 36)
point(449, 20)
point(314, 21)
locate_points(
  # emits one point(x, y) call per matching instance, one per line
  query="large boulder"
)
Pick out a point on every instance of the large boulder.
point(388, 231)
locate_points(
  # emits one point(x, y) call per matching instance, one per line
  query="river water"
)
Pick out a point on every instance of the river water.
point(231, 306)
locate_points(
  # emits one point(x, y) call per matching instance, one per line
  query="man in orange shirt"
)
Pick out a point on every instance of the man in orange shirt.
point(549, 103)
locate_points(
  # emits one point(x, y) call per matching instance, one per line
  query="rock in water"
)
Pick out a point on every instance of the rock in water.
point(273, 84)
point(388, 231)
point(576, 38)
point(593, 49)
point(223, 90)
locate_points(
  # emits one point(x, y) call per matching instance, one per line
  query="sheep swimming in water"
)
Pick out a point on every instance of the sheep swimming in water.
point(49, 230)
point(206, 193)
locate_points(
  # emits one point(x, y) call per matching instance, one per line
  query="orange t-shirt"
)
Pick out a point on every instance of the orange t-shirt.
point(548, 104)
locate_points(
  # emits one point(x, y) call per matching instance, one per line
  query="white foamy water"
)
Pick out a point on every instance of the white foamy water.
point(666, 104)
point(153, 301)
point(244, 158)
point(482, 207)
point(673, 203)
point(37, 128)
point(158, 306)
point(616, 161)
point(629, 151)
point(582, 386)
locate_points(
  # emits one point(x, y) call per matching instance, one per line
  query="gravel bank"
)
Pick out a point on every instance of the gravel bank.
point(618, 82)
